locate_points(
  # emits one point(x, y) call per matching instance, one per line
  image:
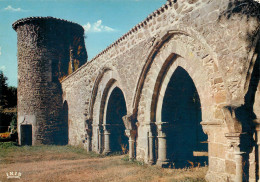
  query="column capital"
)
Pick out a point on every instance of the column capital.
point(130, 133)
point(151, 127)
point(106, 126)
point(129, 121)
point(162, 125)
point(240, 141)
point(96, 125)
point(257, 123)
point(150, 124)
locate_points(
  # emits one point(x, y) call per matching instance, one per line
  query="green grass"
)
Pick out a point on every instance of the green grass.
point(10, 152)
point(112, 167)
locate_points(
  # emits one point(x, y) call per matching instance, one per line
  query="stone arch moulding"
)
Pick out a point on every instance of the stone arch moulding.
point(111, 85)
point(180, 50)
point(197, 60)
point(105, 82)
point(89, 110)
point(158, 43)
point(175, 49)
point(107, 77)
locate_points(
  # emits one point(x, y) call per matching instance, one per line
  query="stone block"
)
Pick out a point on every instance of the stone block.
point(230, 167)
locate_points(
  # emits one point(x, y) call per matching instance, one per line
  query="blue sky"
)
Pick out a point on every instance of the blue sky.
point(104, 22)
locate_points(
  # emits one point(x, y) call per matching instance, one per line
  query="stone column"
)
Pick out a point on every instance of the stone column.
point(239, 165)
point(234, 140)
point(258, 144)
point(129, 122)
point(95, 139)
point(88, 134)
point(151, 148)
point(100, 132)
point(162, 146)
point(107, 133)
point(131, 135)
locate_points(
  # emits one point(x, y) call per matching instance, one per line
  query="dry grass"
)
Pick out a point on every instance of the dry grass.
point(57, 163)
point(10, 110)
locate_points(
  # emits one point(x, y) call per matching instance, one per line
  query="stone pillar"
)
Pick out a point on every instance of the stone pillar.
point(239, 166)
point(234, 140)
point(107, 133)
point(151, 148)
point(88, 134)
point(131, 135)
point(258, 144)
point(100, 132)
point(151, 143)
point(95, 141)
point(88, 127)
point(162, 146)
point(129, 122)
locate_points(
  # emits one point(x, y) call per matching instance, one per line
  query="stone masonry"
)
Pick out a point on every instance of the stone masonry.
point(182, 85)
point(48, 49)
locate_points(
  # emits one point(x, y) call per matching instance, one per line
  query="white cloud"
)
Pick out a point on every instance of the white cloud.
point(87, 27)
point(10, 8)
point(2, 68)
point(97, 27)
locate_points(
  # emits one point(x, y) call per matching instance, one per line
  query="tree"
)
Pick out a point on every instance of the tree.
point(11, 97)
point(8, 99)
point(8, 95)
point(3, 91)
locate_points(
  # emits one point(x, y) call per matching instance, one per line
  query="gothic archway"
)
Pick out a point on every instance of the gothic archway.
point(186, 143)
point(114, 111)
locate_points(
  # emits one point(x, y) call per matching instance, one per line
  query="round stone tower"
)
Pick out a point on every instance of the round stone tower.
point(49, 49)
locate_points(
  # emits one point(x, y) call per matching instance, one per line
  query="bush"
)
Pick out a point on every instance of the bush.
point(7, 119)
point(13, 123)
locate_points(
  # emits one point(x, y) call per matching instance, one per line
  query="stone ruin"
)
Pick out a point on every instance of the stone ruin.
point(180, 87)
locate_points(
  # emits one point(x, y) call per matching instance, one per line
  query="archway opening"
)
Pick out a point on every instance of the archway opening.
point(63, 127)
point(181, 109)
point(116, 109)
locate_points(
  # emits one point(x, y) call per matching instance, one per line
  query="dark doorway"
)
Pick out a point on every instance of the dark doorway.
point(186, 141)
point(26, 134)
point(116, 109)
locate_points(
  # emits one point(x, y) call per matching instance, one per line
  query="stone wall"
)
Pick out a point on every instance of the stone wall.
point(216, 43)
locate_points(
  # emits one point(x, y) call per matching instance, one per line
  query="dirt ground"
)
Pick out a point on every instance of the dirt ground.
point(56, 165)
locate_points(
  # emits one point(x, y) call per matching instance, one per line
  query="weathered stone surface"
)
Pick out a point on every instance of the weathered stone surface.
point(46, 49)
point(215, 42)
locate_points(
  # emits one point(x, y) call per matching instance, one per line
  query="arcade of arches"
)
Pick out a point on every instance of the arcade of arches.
point(179, 134)
point(179, 88)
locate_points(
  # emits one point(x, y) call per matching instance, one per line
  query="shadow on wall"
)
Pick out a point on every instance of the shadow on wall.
point(182, 110)
point(250, 8)
point(116, 109)
point(62, 134)
point(245, 114)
